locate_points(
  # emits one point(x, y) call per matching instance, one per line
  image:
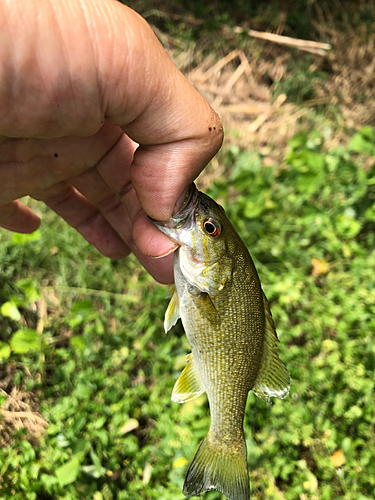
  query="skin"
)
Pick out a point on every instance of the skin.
point(83, 83)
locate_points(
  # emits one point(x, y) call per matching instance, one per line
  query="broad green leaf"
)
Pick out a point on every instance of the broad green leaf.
point(298, 141)
point(78, 343)
point(26, 340)
point(83, 391)
point(23, 239)
point(10, 310)
point(92, 471)
point(362, 143)
point(370, 213)
point(68, 473)
point(30, 289)
point(4, 350)
point(81, 311)
point(347, 227)
point(48, 480)
point(96, 462)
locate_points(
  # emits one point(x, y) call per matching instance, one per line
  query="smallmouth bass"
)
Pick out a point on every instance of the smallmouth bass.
point(228, 323)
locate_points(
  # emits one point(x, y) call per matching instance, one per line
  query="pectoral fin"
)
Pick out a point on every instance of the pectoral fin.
point(173, 310)
point(189, 384)
point(274, 378)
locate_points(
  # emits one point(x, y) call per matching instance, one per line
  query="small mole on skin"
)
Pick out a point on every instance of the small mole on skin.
point(214, 128)
point(209, 128)
point(55, 155)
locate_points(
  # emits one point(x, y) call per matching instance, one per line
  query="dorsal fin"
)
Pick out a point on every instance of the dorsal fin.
point(173, 310)
point(189, 384)
point(273, 378)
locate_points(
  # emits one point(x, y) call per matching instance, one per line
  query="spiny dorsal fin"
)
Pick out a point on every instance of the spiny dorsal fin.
point(173, 310)
point(189, 384)
point(273, 378)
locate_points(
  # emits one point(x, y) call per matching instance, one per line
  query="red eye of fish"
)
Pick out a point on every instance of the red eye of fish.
point(212, 227)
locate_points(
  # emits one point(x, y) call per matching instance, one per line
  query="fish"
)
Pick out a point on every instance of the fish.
point(229, 326)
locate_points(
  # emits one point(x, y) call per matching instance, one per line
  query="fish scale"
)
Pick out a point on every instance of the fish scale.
point(229, 326)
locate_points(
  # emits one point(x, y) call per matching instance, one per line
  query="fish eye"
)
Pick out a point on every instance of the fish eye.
point(212, 227)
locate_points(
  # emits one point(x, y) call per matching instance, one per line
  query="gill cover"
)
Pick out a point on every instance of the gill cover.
point(207, 278)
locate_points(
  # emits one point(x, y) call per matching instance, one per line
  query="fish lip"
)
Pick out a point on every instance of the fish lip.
point(185, 217)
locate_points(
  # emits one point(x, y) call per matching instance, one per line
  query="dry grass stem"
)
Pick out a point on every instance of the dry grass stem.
point(17, 413)
point(214, 70)
point(306, 45)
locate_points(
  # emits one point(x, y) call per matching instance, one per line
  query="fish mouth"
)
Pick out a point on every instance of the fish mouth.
point(184, 219)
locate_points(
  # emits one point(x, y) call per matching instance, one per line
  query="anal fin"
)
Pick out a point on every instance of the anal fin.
point(273, 379)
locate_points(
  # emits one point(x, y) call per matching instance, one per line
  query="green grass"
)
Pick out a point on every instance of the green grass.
point(95, 363)
point(103, 370)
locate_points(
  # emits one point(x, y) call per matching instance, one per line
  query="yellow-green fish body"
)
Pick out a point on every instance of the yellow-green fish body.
point(231, 333)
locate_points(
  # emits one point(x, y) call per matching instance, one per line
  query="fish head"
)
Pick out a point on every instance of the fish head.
point(200, 228)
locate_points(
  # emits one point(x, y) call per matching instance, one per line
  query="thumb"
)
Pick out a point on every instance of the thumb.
point(177, 130)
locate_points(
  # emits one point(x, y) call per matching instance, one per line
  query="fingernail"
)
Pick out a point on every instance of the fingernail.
point(168, 252)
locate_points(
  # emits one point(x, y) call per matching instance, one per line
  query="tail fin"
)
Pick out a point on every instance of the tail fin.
point(222, 469)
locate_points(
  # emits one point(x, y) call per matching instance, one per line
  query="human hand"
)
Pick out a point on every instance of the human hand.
point(80, 81)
